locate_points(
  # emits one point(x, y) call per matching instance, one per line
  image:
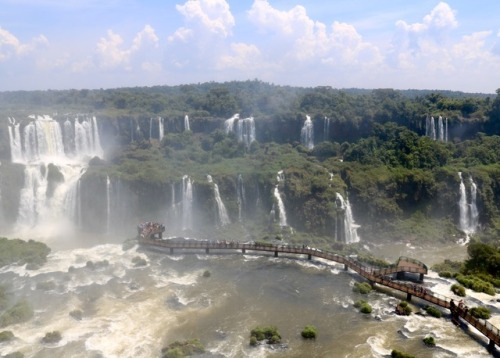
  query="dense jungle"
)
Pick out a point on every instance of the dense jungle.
point(374, 147)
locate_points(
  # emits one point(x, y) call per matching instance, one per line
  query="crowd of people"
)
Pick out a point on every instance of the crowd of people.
point(150, 229)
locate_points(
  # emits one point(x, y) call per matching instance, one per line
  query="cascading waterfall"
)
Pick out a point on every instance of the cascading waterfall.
point(326, 129)
point(280, 177)
point(440, 129)
point(346, 226)
point(161, 128)
point(244, 128)
point(240, 197)
point(46, 204)
point(446, 130)
point(433, 129)
point(15, 141)
point(469, 214)
point(307, 134)
point(187, 203)
point(150, 128)
point(186, 123)
point(221, 208)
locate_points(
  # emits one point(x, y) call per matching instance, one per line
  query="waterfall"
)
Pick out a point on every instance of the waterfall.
point(281, 207)
point(186, 123)
point(51, 203)
point(346, 226)
point(161, 129)
point(15, 141)
point(244, 128)
point(306, 134)
point(240, 197)
point(469, 215)
point(326, 129)
point(440, 129)
point(433, 129)
point(221, 209)
point(187, 203)
point(150, 128)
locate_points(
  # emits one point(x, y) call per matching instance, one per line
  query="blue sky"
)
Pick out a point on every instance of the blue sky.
point(421, 44)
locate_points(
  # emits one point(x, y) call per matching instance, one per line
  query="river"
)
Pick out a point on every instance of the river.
point(133, 311)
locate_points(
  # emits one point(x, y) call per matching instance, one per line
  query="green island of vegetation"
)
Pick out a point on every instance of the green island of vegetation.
point(309, 332)
point(31, 253)
point(268, 333)
point(363, 306)
point(179, 349)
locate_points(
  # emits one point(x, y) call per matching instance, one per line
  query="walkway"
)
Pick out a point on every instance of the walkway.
point(374, 275)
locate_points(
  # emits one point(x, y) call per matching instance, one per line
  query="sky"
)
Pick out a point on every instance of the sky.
point(401, 44)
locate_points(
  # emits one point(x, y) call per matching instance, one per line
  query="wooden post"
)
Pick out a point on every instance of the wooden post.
point(309, 257)
point(207, 250)
point(171, 250)
point(243, 250)
point(408, 296)
point(275, 253)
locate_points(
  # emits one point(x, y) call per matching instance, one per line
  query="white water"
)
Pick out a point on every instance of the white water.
point(244, 128)
point(187, 203)
point(469, 215)
point(350, 226)
point(161, 129)
point(43, 141)
point(221, 208)
point(440, 129)
point(108, 204)
point(281, 207)
point(326, 129)
point(186, 123)
point(446, 130)
point(433, 129)
point(307, 134)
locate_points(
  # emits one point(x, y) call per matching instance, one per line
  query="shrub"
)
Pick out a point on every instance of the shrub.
point(253, 341)
point(445, 274)
point(270, 333)
point(20, 312)
point(6, 336)
point(403, 308)
point(139, 261)
point(429, 341)
point(433, 311)
point(480, 312)
point(179, 349)
point(364, 307)
point(476, 284)
point(362, 287)
point(52, 337)
point(309, 332)
point(458, 290)
point(399, 354)
point(20, 252)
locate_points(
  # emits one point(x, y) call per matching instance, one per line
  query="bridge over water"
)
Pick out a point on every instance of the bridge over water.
point(379, 276)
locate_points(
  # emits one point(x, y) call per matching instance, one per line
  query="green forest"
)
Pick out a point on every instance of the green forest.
point(370, 145)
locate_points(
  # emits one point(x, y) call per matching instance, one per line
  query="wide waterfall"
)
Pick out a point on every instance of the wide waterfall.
point(55, 156)
point(346, 228)
point(281, 206)
point(469, 214)
point(187, 203)
point(244, 128)
point(221, 208)
point(307, 134)
point(186, 123)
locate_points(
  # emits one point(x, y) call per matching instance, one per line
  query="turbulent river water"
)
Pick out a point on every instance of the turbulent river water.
point(130, 311)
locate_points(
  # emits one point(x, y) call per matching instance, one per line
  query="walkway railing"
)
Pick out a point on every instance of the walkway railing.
point(376, 275)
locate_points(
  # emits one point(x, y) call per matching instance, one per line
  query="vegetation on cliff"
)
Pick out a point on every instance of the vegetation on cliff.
point(19, 252)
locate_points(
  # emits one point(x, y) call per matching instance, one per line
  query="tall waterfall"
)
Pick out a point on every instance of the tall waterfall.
point(221, 208)
point(150, 128)
point(161, 129)
point(433, 129)
point(469, 214)
point(446, 130)
point(186, 123)
point(326, 129)
point(346, 226)
point(48, 205)
point(440, 129)
point(244, 128)
point(187, 203)
point(281, 206)
point(307, 134)
point(240, 197)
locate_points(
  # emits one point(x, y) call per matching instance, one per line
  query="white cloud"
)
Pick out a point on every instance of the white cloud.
point(244, 57)
point(213, 16)
point(112, 54)
point(11, 46)
point(182, 34)
point(441, 17)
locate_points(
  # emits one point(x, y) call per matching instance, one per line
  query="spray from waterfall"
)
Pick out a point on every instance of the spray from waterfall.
point(326, 129)
point(108, 204)
point(244, 128)
point(186, 123)
point(221, 209)
point(280, 177)
point(307, 134)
